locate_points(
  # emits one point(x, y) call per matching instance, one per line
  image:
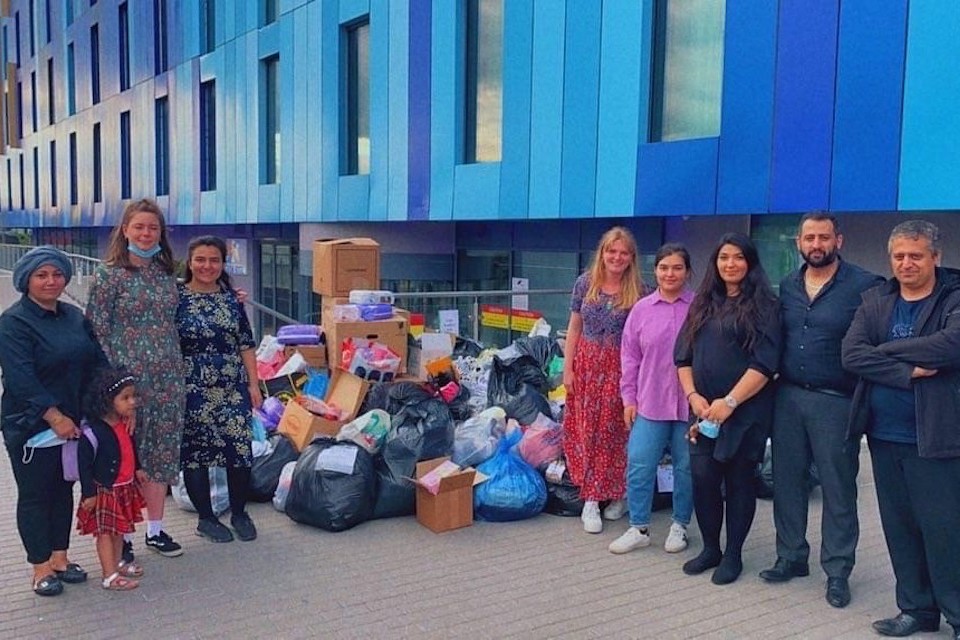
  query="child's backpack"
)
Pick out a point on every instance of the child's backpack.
point(70, 449)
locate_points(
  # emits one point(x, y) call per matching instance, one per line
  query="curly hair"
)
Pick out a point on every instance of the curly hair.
point(107, 383)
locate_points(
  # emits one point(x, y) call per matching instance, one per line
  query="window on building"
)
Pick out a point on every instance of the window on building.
point(280, 282)
point(74, 190)
point(269, 9)
point(162, 139)
point(356, 116)
point(31, 8)
point(6, 44)
point(16, 35)
point(68, 11)
point(124, 37)
point(36, 178)
point(95, 63)
point(53, 173)
point(483, 81)
point(208, 30)
point(71, 81)
point(9, 184)
point(19, 110)
point(208, 136)
point(270, 120)
point(97, 165)
point(51, 94)
point(47, 21)
point(33, 98)
point(160, 62)
point(23, 185)
point(125, 178)
point(687, 73)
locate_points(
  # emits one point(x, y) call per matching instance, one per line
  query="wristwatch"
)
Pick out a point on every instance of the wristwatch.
point(731, 402)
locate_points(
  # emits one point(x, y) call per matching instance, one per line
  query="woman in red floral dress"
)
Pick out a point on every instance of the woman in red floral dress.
point(595, 436)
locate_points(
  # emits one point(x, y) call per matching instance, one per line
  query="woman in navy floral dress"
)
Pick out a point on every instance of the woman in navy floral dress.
point(222, 388)
point(595, 436)
point(132, 308)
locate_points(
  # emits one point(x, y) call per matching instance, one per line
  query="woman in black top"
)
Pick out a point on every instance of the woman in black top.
point(47, 352)
point(727, 351)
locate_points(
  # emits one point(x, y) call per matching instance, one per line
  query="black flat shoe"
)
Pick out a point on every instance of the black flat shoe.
point(73, 574)
point(838, 592)
point(784, 570)
point(727, 571)
point(48, 586)
point(904, 625)
point(706, 560)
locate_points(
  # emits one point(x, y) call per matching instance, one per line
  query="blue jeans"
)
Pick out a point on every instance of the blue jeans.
point(648, 441)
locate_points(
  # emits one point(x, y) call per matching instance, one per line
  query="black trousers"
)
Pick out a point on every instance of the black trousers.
point(919, 502)
point(44, 501)
point(722, 491)
point(197, 484)
point(813, 426)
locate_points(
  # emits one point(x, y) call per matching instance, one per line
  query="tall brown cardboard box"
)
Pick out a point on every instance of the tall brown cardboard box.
point(347, 392)
point(344, 264)
point(392, 333)
point(452, 507)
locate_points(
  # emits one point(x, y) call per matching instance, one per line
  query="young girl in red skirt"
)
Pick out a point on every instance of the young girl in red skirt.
point(110, 475)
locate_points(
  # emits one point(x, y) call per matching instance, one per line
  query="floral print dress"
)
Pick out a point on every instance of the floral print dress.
point(217, 429)
point(133, 313)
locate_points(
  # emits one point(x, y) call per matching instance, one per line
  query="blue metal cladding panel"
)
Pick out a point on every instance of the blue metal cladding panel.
point(546, 111)
point(419, 144)
point(677, 178)
point(803, 115)
point(313, 173)
point(379, 109)
point(444, 64)
point(476, 191)
point(618, 135)
point(397, 118)
point(301, 67)
point(289, 68)
point(581, 85)
point(746, 130)
point(329, 65)
point(517, 76)
point(930, 154)
point(866, 139)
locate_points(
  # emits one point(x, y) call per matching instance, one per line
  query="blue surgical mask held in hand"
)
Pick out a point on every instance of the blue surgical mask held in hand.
point(48, 438)
point(140, 253)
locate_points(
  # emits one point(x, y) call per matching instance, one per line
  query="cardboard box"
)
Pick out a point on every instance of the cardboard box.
point(315, 355)
point(429, 347)
point(452, 507)
point(392, 333)
point(344, 264)
point(346, 391)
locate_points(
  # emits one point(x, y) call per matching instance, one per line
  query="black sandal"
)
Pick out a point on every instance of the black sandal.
point(73, 574)
point(48, 586)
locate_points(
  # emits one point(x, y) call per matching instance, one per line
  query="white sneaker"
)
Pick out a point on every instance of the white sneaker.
point(591, 517)
point(615, 510)
point(676, 539)
point(634, 538)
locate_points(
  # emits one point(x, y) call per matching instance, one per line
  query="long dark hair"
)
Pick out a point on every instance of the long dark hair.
point(746, 311)
point(209, 241)
point(117, 252)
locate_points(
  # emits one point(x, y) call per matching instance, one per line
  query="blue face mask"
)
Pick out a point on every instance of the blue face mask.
point(48, 438)
point(140, 253)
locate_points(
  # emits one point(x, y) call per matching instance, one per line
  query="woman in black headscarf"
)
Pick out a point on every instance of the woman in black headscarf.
point(47, 352)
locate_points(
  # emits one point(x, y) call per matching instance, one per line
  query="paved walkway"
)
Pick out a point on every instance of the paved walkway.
point(542, 578)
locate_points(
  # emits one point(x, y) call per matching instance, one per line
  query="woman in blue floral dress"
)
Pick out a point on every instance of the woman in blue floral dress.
point(222, 388)
point(132, 307)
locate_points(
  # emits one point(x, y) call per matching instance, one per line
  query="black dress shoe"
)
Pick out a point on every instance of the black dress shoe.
point(904, 625)
point(784, 570)
point(838, 592)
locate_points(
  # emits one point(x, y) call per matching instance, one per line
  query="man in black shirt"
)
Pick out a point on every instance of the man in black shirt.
point(817, 302)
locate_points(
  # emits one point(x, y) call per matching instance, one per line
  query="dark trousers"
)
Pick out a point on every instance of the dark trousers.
point(813, 426)
point(197, 484)
point(44, 501)
point(723, 488)
point(919, 502)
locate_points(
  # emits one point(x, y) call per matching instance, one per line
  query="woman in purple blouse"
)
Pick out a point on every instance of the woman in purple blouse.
point(653, 402)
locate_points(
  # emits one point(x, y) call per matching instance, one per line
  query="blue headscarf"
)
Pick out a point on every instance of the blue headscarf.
point(36, 258)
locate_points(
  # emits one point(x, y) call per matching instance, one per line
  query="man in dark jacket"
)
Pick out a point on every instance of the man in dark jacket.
point(904, 343)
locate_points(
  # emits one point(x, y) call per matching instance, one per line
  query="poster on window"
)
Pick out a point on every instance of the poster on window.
point(236, 257)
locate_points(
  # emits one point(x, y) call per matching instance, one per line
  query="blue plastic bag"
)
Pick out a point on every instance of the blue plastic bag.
point(513, 490)
point(316, 384)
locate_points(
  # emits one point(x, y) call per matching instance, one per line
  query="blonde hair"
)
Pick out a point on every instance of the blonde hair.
point(118, 255)
point(630, 286)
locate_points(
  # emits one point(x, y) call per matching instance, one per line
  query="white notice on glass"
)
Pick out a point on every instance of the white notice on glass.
point(449, 321)
point(339, 458)
point(520, 302)
point(665, 478)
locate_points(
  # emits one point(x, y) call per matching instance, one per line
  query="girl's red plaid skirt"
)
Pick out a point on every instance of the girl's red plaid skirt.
point(117, 511)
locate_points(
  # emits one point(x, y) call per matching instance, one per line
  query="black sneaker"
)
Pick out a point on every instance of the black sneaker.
point(164, 545)
point(244, 526)
point(213, 530)
point(127, 555)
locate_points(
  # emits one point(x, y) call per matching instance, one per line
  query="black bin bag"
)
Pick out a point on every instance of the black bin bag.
point(517, 385)
point(328, 499)
point(265, 473)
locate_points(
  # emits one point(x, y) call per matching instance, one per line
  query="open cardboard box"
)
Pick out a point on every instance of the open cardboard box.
point(452, 507)
point(315, 355)
point(346, 391)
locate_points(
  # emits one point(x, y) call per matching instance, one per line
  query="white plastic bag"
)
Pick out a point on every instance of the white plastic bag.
point(219, 494)
point(369, 430)
point(283, 488)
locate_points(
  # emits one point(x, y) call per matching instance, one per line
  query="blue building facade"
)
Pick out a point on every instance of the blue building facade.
point(514, 125)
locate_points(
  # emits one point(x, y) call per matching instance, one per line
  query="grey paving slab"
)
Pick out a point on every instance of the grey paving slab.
point(541, 578)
